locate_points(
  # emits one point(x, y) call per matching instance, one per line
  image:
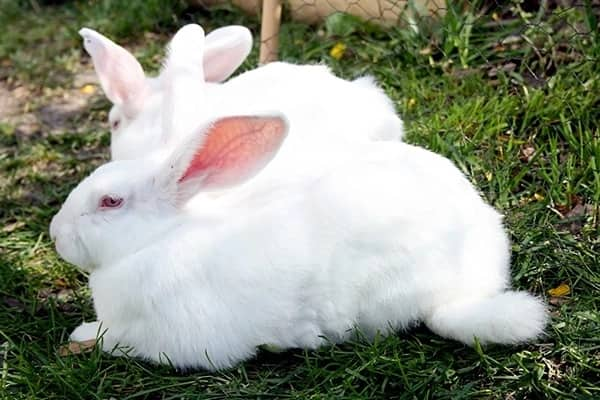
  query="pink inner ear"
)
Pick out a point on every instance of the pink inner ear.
point(235, 149)
point(218, 67)
point(219, 64)
point(121, 75)
point(226, 48)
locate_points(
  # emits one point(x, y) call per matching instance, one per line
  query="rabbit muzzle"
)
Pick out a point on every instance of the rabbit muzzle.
point(66, 241)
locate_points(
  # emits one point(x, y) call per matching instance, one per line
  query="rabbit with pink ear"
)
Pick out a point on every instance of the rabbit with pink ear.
point(135, 117)
point(142, 104)
point(357, 238)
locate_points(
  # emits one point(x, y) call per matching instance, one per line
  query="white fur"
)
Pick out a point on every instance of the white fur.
point(136, 121)
point(86, 331)
point(180, 98)
point(377, 236)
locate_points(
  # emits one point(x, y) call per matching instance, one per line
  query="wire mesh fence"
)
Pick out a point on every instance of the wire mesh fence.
point(381, 12)
point(524, 39)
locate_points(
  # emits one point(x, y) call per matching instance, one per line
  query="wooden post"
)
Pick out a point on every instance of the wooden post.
point(269, 31)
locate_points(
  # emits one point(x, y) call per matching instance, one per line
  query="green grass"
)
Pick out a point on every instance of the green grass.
point(519, 117)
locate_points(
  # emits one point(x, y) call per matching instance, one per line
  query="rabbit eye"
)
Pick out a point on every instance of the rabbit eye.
point(115, 124)
point(110, 202)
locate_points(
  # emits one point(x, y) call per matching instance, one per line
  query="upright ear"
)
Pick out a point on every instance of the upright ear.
point(231, 151)
point(186, 51)
point(183, 80)
point(121, 75)
point(226, 49)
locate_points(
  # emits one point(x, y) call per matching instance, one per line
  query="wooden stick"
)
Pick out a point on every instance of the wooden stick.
point(269, 31)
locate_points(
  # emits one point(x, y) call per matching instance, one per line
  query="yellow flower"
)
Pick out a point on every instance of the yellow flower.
point(88, 89)
point(411, 102)
point(338, 50)
point(561, 290)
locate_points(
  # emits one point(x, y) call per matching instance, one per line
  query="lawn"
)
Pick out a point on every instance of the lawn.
point(510, 93)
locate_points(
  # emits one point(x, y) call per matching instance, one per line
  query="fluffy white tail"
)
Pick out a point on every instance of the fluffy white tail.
point(505, 318)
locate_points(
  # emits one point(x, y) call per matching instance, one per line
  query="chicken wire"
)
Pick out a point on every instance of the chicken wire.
point(531, 37)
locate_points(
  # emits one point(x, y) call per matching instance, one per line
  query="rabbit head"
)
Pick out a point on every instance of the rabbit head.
point(123, 205)
point(135, 118)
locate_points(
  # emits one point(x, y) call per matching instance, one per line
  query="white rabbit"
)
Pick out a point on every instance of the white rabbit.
point(135, 118)
point(137, 121)
point(377, 237)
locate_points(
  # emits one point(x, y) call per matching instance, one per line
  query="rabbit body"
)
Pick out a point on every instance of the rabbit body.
point(359, 110)
point(384, 237)
point(306, 94)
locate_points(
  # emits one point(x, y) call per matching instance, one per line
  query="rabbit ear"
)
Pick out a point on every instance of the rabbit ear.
point(183, 81)
point(186, 51)
point(121, 75)
point(231, 151)
point(225, 50)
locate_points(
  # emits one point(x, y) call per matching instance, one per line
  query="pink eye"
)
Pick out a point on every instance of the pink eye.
point(110, 202)
point(115, 124)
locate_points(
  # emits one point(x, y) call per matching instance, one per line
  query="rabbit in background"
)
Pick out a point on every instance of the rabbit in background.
point(142, 106)
point(355, 238)
point(135, 117)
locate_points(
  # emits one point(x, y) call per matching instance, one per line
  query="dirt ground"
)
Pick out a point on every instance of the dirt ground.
point(34, 111)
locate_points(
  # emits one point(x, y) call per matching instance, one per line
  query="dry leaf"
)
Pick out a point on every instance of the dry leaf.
point(61, 283)
point(526, 153)
point(64, 295)
point(575, 213)
point(12, 227)
point(560, 291)
point(512, 39)
point(462, 72)
point(564, 209)
point(558, 301)
point(538, 197)
point(14, 303)
point(76, 347)
point(580, 210)
point(44, 294)
point(425, 51)
point(508, 67)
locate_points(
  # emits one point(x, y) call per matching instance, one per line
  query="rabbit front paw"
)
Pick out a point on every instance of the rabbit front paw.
point(86, 331)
